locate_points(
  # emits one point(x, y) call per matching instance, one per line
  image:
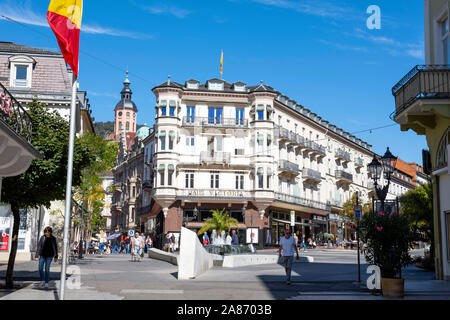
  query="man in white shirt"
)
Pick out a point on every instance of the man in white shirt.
point(287, 246)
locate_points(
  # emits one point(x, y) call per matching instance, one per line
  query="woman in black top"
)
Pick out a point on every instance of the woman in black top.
point(47, 251)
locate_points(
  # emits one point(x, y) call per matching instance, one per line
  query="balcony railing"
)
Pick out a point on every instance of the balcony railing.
point(318, 148)
point(312, 175)
point(302, 201)
point(215, 122)
point(14, 115)
point(422, 82)
point(359, 162)
point(342, 175)
point(341, 154)
point(285, 165)
point(335, 203)
point(215, 157)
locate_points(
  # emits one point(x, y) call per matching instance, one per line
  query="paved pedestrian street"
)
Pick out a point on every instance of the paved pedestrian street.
point(332, 275)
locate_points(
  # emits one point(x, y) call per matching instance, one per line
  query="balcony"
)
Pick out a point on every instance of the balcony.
point(336, 203)
point(343, 177)
point(302, 201)
point(215, 122)
point(318, 149)
point(289, 168)
point(14, 115)
point(215, 157)
point(342, 155)
point(311, 176)
point(282, 133)
point(359, 163)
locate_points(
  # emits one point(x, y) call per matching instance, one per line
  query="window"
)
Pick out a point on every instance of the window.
point(171, 140)
point(161, 178)
point(239, 152)
point(172, 112)
point(128, 114)
point(269, 181)
point(239, 181)
point(445, 42)
point(163, 111)
point(239, 116)
point(261, 181)
point(163, 142)
point(215, 115)
point(190, 144)
point(120, 126)
point(261, 115)
point(134, 192)
point(127, 126)
point(120, 113)
point(169, 177)
point(214, 181)
point(260, 144)
point(189, 180)
point(190, 114)
point(21, 76)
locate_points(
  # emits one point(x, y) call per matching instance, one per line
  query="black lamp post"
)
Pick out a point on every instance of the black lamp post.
point(387, 165)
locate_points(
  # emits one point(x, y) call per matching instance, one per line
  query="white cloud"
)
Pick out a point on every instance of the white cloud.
point(165, 9)
point(343, 47)
point(23, 13)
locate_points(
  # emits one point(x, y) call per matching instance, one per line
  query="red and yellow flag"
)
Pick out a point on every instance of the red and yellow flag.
point(64, 17)
point(221, 64)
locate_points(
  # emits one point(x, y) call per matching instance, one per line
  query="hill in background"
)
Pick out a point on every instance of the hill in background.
point(106, 128)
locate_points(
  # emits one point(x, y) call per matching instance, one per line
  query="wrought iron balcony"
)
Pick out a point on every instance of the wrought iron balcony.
point(215, 157)
point(216, 122)
point(317, 148)
point(300, 140)
point(311, 175)
point(288, 167)
point(14, 115)
point(422, 82)
point(281, 133)
point(345, 177)
point(335, 203)
point(302, 201)
point(359, 163)
point(343, 155)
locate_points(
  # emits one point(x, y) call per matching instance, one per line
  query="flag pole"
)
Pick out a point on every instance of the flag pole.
point(68, 186)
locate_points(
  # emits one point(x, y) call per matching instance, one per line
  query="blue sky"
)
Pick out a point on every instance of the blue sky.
point(319, 53)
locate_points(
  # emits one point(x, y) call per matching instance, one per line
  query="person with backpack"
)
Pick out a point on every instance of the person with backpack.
point(205, 239)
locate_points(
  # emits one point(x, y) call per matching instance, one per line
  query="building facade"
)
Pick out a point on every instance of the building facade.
point(422, 104)
point(32, 73)
point(254, 152)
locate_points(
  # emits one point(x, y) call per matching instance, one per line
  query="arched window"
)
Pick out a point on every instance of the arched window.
point(127, 126)
point(120, 126)
point(442, 159)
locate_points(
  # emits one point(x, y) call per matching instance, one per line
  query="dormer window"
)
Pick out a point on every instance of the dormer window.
point(192, 84)
point(239, 87)
point(21, 68)
point(218, 86)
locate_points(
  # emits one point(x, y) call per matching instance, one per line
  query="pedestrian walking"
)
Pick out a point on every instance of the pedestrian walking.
point(302, 239)
point(127, 243)
point(228, 239)
point(234, 238)
point(148, 243)
point(167, 243)
point(205, 239)
point(136, 247)
point(102, 241)
point(47, 251)
point(287, 248)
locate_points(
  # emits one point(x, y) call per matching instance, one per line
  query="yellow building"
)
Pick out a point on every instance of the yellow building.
point(422, 101)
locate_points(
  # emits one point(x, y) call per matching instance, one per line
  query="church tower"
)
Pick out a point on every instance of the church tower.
point(125, 116)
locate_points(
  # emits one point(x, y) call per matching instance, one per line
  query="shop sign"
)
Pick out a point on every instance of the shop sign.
point(292, 218)
point(5, 227)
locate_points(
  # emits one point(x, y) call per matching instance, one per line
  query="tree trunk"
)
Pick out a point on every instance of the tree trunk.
point(14, 241)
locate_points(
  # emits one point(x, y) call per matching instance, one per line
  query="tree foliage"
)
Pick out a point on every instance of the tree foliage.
point(220, 221)
point(45, 179)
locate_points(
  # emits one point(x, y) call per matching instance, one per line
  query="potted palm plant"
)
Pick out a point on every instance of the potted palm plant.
point(387, 239)
point(220, 221)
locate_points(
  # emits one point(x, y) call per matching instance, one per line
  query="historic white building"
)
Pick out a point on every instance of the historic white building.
point(253, 151)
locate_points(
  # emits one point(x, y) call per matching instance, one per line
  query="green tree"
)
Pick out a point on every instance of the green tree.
point(349, 211)
point(90, 192)
point(417, 206)
point(220, 221)
point(45, 180)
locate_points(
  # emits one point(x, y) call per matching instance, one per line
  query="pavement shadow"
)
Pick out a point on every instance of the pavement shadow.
point(30, 276)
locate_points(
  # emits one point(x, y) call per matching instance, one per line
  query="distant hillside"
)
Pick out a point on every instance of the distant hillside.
point(105, 128)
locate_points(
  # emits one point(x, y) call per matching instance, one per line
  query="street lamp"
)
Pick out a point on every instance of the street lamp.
point(387, 165)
